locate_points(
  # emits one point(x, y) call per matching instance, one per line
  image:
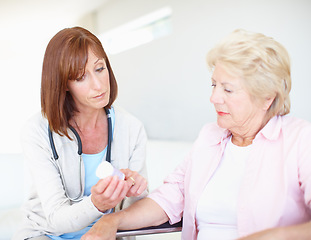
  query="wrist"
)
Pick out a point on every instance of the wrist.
point(113, 219)
point(281, 233)
point(102, 208)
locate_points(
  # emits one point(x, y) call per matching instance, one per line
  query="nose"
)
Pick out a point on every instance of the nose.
point(96, 82)
point(216, 96)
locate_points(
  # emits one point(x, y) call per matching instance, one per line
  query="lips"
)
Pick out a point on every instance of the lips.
point(100, 95)
point(220, 113)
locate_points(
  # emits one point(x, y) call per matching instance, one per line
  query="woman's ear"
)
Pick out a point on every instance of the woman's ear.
point(267, 103)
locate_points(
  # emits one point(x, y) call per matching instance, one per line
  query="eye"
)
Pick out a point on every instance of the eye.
point(100, 69)
point(227, 90)
point(81, 78)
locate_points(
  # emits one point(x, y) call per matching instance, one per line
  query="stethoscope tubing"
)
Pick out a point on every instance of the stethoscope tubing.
point(55, 157)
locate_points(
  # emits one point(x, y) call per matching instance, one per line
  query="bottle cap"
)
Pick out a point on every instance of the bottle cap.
point(105, 169)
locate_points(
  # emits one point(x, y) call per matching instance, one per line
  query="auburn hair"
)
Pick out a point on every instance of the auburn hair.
point(65, 58)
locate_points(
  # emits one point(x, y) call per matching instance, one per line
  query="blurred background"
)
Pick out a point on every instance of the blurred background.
point(157, 49)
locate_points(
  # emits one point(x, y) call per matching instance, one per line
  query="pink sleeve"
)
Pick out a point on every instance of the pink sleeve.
point(304, 164)
point(170, 196)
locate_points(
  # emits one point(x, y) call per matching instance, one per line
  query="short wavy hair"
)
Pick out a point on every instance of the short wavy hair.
point(262, 63)
point(65, 56)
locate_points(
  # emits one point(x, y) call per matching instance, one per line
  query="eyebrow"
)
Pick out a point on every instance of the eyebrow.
point(96, 61)
point(223, 83)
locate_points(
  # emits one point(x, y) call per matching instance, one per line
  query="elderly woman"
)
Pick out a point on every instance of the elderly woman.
point(247, 176)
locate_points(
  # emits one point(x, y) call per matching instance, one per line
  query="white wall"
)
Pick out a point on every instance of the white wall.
point(26, 26)
point(166, 83)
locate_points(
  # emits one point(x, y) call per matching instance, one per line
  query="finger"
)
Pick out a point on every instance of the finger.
point(133, 187)
point(138, 188)
point(124, 191)
point(142, 187)
point(101, 185)
point(127, 172)
point(108, 191)
point(111, 188)
point(133, 177)
point(109, 198)
point(131, 184)
point(119, 192)
point(137, 183)
point(132, 181)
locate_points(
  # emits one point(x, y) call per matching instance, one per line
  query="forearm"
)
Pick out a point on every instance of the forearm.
point(301, 231)
point(71, 218)
point(142, 213)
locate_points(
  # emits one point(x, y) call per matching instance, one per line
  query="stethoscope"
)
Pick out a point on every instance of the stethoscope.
point(56, 162)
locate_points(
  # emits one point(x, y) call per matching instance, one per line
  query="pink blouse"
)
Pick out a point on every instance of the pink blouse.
point(276, 187)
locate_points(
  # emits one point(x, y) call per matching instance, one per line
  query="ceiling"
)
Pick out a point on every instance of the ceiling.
point(28, 13)
point(27, 24)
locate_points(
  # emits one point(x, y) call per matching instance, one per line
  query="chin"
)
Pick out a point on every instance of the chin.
point(104, 103)
point(222, 124)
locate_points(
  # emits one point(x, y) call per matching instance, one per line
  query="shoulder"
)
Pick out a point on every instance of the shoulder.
point(127, 126)
point(289, 120)
point(124, 118)
point(35, 124)
point(34, 134)
point(297, 131)
point(286, 126)
point(295, 125)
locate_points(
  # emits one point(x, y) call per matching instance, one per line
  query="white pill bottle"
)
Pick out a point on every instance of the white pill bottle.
point(105, 169)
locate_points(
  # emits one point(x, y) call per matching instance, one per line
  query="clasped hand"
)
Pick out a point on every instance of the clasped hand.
point(108, 192)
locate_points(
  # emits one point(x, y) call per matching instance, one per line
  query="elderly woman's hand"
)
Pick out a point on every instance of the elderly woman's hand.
point(104, 229)
point(269, 234)
point(301, 231)
point(137, 184)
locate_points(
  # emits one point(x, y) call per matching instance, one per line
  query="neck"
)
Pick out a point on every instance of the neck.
point(85, 121)
point(244, 137)
point(242, 141)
